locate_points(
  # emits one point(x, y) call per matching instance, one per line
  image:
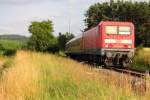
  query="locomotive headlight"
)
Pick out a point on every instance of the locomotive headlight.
point(129, 46)
point(106, 45)
point(109, 54)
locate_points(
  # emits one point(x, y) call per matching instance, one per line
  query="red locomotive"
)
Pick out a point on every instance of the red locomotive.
point(109, 43)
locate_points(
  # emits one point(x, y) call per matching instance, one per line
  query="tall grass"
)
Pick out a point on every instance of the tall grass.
point(38, 76)
point(142, 59)
point(143, 56)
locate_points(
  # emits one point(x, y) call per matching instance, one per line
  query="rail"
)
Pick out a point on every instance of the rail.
point(129, 72)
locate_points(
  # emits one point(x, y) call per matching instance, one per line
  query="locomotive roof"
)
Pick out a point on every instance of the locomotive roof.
point(114, 22)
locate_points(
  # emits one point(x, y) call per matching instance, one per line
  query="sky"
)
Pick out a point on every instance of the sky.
point(17, 15)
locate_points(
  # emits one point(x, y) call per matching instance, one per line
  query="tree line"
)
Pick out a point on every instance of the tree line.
point(42, 38)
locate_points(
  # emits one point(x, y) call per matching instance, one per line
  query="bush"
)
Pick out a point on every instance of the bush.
point(10, 52)
point(53, 49)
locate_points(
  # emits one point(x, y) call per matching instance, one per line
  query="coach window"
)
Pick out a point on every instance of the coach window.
point(111, 29)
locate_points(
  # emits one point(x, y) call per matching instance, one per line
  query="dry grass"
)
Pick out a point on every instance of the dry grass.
point(37, 76)
point(142, 59)
point(20, 81)
point(143, 56)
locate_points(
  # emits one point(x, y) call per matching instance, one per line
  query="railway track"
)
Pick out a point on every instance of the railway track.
point(131, 72)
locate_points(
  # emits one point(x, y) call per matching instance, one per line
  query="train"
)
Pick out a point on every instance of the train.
point(110, 43)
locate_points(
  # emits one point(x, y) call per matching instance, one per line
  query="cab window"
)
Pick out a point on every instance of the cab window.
point(111, 29)
point(125, 30)
point(121, 30)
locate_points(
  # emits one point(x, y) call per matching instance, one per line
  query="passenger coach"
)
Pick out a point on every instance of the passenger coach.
point(109, 43)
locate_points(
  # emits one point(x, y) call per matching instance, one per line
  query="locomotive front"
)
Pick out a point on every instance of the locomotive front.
point(117, 43)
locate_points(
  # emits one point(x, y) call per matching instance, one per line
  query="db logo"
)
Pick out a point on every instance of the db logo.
point(118, 41)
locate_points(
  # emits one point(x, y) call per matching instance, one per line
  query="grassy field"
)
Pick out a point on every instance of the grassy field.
point(38, 76)
point(9, 47)
point(10, 44)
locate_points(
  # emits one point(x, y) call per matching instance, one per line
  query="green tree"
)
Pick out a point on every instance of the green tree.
point(63, 39)
point(42, 36)
point(137, 12)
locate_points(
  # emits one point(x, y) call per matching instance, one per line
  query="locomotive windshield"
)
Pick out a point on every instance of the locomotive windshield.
point(111, 30)
point(122, 30)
